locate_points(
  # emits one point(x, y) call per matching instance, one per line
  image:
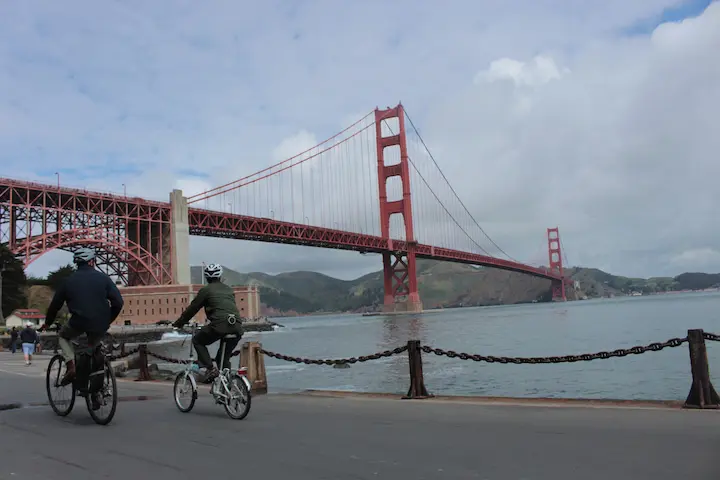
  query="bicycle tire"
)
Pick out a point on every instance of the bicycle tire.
point(194, 395)
point(246, 391)
point(110, 373)
point(48, 383)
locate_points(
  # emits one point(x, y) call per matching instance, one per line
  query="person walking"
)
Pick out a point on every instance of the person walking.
point(29, 338)
point(13, 339)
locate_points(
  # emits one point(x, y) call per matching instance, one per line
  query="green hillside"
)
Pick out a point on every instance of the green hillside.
point(443, 285)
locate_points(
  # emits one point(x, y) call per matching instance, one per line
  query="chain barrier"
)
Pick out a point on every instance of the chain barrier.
point(621, 352)
point(338, 361)
point(168, 359)
point(124, 355)
point(711, 336)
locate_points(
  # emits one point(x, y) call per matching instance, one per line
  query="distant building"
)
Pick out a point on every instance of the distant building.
point(20, 317)
point(155, 303)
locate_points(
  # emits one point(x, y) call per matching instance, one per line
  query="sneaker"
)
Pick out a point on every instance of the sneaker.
point(212, 373)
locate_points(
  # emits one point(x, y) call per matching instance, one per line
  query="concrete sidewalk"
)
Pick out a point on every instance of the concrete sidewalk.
point(309, 438)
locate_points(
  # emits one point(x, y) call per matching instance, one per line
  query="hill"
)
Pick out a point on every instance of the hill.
point(441, 285)
point(444, 285)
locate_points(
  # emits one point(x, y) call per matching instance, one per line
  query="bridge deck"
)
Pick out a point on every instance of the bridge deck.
point(292, 436)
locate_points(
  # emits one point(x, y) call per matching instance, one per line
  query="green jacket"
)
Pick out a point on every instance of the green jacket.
point(219, 302)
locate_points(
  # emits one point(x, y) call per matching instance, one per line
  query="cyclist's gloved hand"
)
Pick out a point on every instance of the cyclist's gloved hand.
point(176, 324)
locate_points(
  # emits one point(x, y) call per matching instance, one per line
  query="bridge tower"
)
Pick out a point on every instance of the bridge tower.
point(179, 237)
point(556, 266)
point(399, 267)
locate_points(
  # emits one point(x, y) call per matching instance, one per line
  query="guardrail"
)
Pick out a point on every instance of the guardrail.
point(702, 393)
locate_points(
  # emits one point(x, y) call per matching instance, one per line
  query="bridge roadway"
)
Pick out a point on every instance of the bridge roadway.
point(309, 438)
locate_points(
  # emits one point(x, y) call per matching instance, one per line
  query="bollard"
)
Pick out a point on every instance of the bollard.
point(252, 358)
point(144, 373)
point(417, 383)
point(702, 394)
point(122, 348)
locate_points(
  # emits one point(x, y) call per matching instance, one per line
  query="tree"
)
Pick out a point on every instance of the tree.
point(58, 277)
point(13, 282)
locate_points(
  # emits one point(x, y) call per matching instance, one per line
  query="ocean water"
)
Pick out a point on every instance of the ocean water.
point(518, 330)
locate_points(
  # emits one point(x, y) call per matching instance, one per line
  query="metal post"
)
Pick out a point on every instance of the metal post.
point(144, 373)
point(417, 383)
point(702, 394)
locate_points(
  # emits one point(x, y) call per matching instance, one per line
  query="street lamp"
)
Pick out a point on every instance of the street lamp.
point(58, 180)
point(124, 190)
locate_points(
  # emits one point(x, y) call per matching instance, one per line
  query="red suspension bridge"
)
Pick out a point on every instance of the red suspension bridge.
point(326, 196)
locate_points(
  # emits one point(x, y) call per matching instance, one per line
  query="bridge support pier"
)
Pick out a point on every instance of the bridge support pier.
point(400, 275)
point(180, 238)
point(400, 281)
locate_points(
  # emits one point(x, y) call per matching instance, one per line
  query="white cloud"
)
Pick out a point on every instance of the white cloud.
point(539, 114)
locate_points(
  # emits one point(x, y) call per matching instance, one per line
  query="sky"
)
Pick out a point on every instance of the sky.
point(596, 117)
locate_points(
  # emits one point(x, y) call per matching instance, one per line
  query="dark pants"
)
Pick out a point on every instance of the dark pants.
point(208, 335)
point(68, 333)
point(13, 345)
point(89, 368)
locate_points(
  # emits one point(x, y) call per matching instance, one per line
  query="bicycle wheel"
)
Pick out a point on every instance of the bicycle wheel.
point(240, 397)
point(55, 371)
point(108, 391)
point(184, 384)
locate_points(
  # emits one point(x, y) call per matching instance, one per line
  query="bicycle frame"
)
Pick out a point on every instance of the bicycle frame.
point(224, 377)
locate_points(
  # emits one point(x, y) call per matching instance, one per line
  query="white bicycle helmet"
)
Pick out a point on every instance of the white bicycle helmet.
point(83, 255)
point(213, 270)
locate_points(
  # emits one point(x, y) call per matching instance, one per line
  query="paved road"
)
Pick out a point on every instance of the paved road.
point(307, 438)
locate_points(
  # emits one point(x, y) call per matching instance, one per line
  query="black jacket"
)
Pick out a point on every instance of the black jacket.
point(218, 300)
point(86, 293)
point(28, 335)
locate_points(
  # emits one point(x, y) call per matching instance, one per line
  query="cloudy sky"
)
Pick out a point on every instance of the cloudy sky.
point(596, 116)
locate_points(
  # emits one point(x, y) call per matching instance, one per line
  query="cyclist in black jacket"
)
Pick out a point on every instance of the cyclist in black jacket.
point(86, 293)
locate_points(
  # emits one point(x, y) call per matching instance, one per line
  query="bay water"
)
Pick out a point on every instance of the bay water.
point(515, 330)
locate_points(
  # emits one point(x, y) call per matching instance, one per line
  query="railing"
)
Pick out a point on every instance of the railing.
point(702, 393)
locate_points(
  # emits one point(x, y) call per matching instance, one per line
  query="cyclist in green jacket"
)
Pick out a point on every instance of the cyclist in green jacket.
point(222, 315)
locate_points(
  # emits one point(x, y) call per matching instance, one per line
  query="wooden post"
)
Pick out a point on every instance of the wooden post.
point(417, 383)
point(144, 373)
point(252, 358)
point(702, 394)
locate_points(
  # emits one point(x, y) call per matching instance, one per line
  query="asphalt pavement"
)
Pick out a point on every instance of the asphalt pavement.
point(313, 438)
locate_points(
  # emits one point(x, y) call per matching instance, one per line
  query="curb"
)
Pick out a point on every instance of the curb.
point(509, 401)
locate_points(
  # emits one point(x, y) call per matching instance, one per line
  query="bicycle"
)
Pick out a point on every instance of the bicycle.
point(228, 386)
point(86, 382)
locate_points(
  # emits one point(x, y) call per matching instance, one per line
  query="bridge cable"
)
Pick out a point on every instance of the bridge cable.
point(451, 187)
point(440, 201)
